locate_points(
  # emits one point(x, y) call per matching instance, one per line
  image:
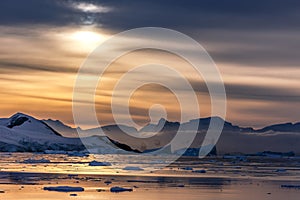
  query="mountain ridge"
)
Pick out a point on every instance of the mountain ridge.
point(24, 133)
point(203, 123)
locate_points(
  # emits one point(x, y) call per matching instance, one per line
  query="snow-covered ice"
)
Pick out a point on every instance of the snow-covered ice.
point(201, 171)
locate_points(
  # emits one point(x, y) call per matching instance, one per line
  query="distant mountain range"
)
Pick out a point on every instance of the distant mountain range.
point(163, 124)
point(22, 132)
point(286, 127)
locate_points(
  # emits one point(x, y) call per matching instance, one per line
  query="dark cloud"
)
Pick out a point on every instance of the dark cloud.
point(254, 92)
point(240, 91)
point(173, 14)
point(263, 93)
point(48, 12)
point(233, 23)
point(253, 48)
point(191, 15)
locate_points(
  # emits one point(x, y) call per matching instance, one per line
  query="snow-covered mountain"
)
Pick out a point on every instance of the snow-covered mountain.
point(26, 123)
point(22, 132)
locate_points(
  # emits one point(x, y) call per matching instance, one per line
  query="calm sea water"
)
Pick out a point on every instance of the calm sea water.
point(24, 175)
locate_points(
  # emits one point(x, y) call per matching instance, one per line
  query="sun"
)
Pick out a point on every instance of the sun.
point(87, 37)
point(85, 40)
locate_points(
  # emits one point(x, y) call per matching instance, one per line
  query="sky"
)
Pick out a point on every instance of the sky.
point(255, 45)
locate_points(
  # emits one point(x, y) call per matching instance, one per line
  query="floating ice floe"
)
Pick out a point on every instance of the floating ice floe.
point(36, 161)
point(187, 168)
point(132, 168)
point(107, 182)
point(201, 171)
point(291, 186)
point(120, 189)
point(64, 189)
point(96, 163)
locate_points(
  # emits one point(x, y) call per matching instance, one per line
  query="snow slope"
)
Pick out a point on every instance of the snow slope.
point(22, 132)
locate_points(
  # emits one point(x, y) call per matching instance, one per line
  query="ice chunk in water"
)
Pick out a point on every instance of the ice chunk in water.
point(120, 189)
point(64, 189)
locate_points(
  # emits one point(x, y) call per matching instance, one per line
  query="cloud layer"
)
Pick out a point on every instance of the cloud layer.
point(254, 43)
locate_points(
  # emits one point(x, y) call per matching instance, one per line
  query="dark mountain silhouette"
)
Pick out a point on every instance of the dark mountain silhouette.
point(22, 132)
point(286, 127)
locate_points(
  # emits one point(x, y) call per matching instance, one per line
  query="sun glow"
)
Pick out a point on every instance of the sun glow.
point(87, 39)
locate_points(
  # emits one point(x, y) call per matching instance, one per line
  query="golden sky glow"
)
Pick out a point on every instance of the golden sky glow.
point(38, 66)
